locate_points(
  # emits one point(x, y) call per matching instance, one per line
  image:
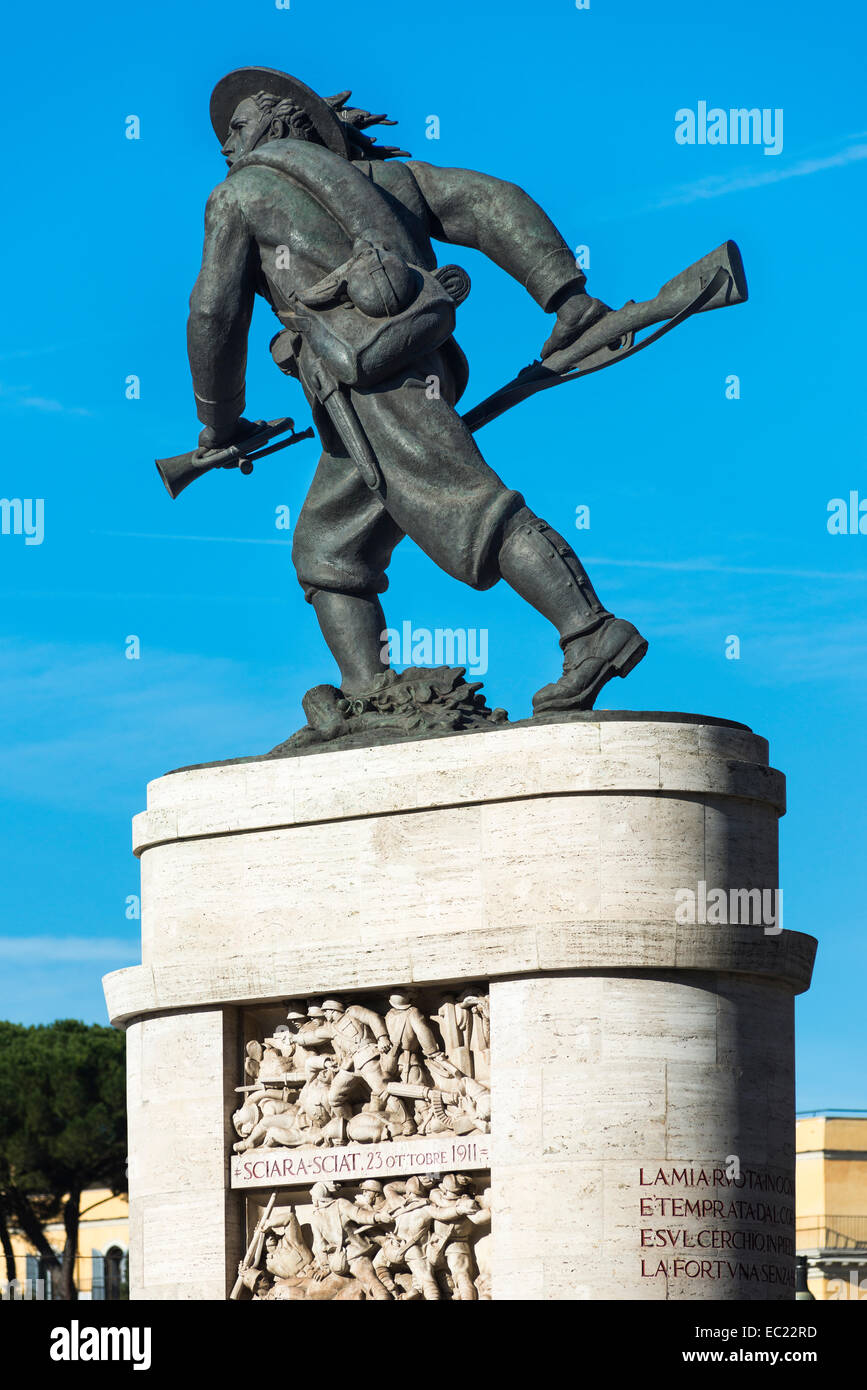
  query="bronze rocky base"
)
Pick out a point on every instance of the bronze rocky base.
point(416, 703)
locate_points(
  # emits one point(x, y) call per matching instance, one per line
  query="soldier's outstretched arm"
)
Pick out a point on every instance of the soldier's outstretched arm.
point(502, 221)
point(221, 306)
point(373, 1020)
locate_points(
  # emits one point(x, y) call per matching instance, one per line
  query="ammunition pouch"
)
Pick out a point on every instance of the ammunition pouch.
point(372, 316)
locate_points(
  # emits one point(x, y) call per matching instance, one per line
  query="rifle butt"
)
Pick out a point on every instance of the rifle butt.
point(676, 294)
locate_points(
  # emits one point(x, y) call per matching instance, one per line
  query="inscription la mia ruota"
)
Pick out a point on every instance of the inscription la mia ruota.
point(718, 1223)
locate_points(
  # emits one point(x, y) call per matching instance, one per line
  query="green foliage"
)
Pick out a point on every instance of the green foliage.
point(62, 1108)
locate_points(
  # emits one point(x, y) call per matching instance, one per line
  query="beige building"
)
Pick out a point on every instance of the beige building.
point(103, 1243)
point(831, 1202)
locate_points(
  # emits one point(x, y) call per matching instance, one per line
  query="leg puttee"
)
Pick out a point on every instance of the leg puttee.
point(542, 567)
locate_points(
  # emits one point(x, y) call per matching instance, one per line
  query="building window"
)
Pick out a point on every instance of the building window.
point(114, 1275)
point(39, 1276)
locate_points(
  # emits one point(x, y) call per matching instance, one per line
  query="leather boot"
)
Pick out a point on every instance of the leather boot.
point(543, 568)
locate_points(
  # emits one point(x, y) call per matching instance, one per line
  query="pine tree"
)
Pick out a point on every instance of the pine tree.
point(62, 1130)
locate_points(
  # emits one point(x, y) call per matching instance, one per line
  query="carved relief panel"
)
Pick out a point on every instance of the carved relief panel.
point(423, 1237)
point(362, 1138)
point(331, 1072)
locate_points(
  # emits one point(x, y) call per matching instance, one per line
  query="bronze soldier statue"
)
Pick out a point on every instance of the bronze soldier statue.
point(335, 232)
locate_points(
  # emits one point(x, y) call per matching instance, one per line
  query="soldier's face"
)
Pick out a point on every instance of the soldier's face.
point(245, 121)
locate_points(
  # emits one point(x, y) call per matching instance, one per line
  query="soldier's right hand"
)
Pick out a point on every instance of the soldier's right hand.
point(213, 438)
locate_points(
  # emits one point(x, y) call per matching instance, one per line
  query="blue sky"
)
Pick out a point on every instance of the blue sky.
point(708, 515)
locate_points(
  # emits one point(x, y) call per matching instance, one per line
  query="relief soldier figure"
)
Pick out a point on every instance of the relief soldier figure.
point(465, 1024)
point(360, 1041)
point(413, 1041)
point(341, 1240)
point(459, 1217)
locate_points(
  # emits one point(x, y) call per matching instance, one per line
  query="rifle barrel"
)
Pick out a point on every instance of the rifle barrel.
point(254, 1248)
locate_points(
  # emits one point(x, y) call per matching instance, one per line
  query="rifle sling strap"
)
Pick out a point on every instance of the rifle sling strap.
point(524, 385)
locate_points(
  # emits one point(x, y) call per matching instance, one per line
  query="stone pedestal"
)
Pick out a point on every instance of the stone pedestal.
point(641, 1052)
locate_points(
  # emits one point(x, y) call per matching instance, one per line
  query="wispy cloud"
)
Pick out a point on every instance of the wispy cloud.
point(710, 566)
point(21, 354)
point(141, 596)
point(18, 399)
point(219, 540)
point(50, 349)
point(833, 652)
point(85, 728)
point(51, 950)
point(717, 186)
point(41, 983)
point(52, 407)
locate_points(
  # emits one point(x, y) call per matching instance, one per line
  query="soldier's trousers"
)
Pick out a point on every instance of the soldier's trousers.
point(437, 489)
point(347, 1084)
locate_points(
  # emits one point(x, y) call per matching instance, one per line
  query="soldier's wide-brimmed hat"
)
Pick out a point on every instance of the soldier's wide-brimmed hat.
point(236, 86)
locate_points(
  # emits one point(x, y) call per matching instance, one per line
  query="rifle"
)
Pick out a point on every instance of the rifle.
point(254, 1249)
point(714, 282)
point(178, 472)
